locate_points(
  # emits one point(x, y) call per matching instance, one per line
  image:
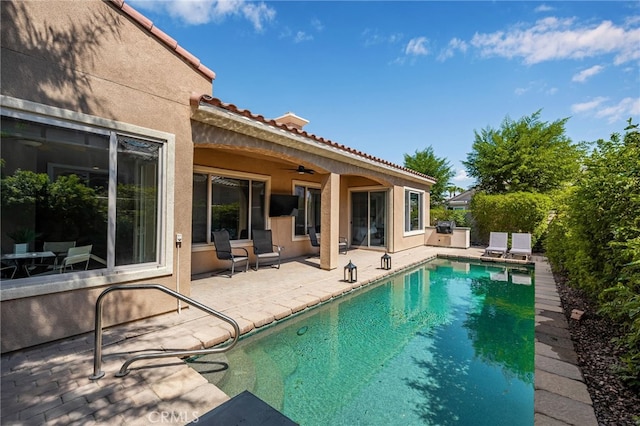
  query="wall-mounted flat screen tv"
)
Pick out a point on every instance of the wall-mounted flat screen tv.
point(283, 205)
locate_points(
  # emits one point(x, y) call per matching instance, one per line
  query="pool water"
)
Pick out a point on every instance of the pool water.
point(448, 342)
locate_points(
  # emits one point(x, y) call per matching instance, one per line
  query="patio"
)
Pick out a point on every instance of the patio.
point(49, 384)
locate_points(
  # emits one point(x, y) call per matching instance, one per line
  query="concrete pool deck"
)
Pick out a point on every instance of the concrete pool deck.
point(50, 384)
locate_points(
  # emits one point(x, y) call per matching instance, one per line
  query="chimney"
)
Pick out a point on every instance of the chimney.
point(292, 121)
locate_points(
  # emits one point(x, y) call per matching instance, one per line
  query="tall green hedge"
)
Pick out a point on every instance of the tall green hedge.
point(512, 212)
point(595, 238)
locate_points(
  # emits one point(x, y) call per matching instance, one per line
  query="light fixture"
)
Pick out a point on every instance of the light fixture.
point(350, 273)
point(385, 261)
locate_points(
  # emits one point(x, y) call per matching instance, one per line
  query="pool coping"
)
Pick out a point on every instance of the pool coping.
point(49, 384)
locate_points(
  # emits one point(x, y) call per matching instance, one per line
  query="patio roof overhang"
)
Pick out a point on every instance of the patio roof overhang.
point(212, 111)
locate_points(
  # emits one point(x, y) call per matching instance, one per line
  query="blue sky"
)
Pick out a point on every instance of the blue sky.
point(390, 78)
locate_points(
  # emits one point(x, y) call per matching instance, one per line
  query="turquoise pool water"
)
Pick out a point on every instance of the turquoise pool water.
point(448, 342)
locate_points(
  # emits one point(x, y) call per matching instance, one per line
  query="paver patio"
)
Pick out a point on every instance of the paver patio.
point(50, 384)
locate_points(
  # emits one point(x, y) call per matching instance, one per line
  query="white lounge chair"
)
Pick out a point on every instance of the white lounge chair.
point(497, 244)
point(520, 245)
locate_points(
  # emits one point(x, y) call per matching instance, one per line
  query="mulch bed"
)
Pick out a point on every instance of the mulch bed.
point(614, 403)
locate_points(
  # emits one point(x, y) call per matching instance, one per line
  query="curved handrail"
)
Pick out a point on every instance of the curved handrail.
point(97, 353)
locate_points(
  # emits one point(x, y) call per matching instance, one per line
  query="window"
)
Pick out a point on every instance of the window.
point(413, 210)
point(308, 209)
point(83, 186)
point(221, 201)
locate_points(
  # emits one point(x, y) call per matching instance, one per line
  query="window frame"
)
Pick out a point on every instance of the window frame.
point(232, 174)
point(408, 191)
point(306, 185)
point(111, 274)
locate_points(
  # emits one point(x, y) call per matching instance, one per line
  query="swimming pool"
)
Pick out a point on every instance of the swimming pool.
point(447, 342)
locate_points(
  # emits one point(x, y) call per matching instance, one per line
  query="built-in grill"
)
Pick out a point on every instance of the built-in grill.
point(445, 226)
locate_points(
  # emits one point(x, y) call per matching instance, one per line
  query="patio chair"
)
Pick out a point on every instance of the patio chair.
point(520, 245)
point(59, 248)
point(224, 251)
point(8, 271)
point(263, 247)
point(342, 241)
point(497, 244)
point(75, 256)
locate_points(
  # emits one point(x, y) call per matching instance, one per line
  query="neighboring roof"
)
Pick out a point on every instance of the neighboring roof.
point(462, 198)
point(161, 36)
point(197, 100)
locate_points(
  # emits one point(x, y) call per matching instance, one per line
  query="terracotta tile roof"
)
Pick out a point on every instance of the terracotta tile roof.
point(209, 100)
point(160, 35)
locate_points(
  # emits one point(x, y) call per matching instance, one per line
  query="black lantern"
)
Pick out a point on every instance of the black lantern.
point(385, 261)
point(350, 273)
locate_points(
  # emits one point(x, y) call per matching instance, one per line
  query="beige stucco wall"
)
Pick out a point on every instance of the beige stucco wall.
point(460, 238)
point(87, 57)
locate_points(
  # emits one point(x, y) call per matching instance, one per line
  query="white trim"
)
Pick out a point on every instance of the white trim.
point(423, 211)
point(49, 115)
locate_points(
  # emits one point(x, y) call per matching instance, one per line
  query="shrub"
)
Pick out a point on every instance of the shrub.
point(512, 212)
point(596, 239)
point(460, 217)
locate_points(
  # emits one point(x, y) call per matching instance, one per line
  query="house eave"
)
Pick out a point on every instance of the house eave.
point(225, 119)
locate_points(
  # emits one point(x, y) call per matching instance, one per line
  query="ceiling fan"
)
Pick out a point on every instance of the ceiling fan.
point(302, 170)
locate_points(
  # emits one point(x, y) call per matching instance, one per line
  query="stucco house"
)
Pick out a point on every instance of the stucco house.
point(113, 149)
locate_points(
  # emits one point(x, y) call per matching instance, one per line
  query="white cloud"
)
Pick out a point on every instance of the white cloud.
point(373, 38)
point(196, 12)
point(543, 8)
point(454, 45)
point(461, 176)
point(417, 47)
point(623, 110)
point(583, 75)
point(553, 39)
point(317, 25)
point(588, 106)
point(536, 86)
point(302, 36)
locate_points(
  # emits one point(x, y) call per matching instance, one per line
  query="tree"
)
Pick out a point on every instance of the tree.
point(426, 162)
point(454, 190)
point(525, 155)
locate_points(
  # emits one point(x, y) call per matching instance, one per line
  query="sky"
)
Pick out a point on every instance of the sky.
point(390, 78)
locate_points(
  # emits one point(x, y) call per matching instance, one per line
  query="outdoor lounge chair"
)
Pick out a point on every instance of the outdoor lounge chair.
point(342, 241)
point(263, 247)
point(520, 245)
point(497, 244)
point(224, 251)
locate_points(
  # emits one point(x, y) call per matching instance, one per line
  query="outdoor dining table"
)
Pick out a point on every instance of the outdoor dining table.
point(21, 259)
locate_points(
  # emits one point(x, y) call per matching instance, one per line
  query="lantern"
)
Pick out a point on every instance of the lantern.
point(350, 273)
point(385, 261)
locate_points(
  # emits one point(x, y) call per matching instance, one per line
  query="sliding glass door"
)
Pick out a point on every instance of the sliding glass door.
point(368, 218)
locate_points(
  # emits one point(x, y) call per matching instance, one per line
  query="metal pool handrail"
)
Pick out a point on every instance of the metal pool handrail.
point(97, 353)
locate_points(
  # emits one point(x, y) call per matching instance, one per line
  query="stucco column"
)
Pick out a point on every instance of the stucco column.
point(330, 221)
